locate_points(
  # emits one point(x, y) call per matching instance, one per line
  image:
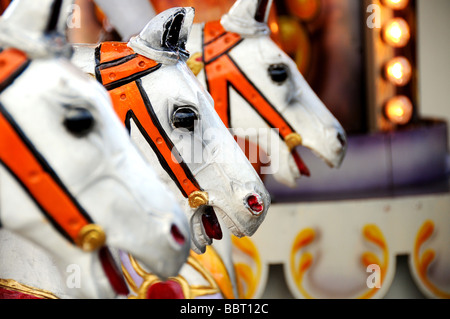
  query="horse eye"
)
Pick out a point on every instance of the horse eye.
point(184, 117)
point(278, 72)
point(79, 121)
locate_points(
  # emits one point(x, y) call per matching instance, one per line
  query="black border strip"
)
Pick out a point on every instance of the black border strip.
point(132, 78)
point(163, 133)
point(223, 53)
point(54, 16)
point(262, 95)
point(6, 83)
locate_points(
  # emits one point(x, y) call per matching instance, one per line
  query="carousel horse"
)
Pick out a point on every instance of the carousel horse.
point(255, 86)
point(172, 120)
point(222, 180)
point(164, 101)
point(73, 187)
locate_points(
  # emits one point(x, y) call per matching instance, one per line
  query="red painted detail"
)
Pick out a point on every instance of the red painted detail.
point(165, 290)
point(211, 224)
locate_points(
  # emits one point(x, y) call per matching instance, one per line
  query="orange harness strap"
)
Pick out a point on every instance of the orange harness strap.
point(12, 63)
point(222, 72)
point(29, 168)
point(119, 69)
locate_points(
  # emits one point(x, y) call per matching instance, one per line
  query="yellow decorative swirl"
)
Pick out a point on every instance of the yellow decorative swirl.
point(370, 232)
point(246, 278)
point(423, 262)
point(304, 238)
point(13, 285)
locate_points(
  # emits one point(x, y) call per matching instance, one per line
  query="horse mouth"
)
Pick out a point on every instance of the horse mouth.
point(112, 272)
point(211, 224)
point(302, 168)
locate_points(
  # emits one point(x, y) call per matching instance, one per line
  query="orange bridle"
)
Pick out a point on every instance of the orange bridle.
point(120, 70)
point(24, 162)
point(222, 73)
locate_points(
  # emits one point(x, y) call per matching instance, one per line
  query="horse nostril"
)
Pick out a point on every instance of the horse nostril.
point(177, 235)
point(254, 203)
point(342, 140)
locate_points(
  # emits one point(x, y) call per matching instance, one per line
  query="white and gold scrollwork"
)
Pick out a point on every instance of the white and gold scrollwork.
point(423, 260)
point(248, 276)
point(13, 285)
point(300, 266)
point(198, 263)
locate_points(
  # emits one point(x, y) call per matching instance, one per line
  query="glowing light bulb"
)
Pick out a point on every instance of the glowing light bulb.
point(398, 71)
point(396, 4)
point(396, 33)
point(399, 110)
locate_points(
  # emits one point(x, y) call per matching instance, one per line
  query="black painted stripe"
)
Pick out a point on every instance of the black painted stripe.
point(54, 16)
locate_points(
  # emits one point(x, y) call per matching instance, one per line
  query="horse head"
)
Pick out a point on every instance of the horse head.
point(256, 85)
point(71, 181)
point(171, 117)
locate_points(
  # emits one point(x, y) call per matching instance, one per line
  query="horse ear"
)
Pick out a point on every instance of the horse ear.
point(165, 36)
point(26, 25)
point(248, 17)
point(262, 10)
point(186, 30)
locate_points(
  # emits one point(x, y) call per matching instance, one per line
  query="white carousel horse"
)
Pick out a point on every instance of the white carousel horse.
point(221, 180)
point(169, 114)
point(72, 184)
point(255, 85)
point(258, 86)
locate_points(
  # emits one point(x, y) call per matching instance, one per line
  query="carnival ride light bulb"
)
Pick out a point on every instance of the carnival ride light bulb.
point(399, 110)
point(398, 71)
point(396, 4)
point(396, 32)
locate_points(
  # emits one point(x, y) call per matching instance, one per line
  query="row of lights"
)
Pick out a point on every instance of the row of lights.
point(398, 71)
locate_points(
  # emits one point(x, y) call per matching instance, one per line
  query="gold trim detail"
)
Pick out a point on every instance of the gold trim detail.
point(91, 237)
point(189, 292)
point(293, 140)
point(198, 198)
point(16, 286)
point(195, 63)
